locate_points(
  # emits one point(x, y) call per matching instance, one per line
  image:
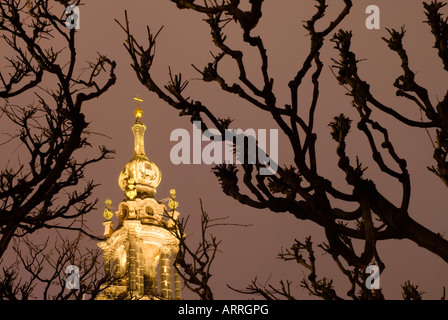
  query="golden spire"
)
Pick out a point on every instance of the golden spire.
point(139, 129)
point(140, 176)
point(138, 112)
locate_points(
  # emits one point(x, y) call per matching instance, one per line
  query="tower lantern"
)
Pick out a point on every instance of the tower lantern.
point(139, 254)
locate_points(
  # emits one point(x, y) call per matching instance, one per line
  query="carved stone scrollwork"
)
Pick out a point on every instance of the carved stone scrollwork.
point(166, 249)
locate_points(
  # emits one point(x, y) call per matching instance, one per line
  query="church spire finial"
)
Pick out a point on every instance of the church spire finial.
point(138, 112)
point(140, 177)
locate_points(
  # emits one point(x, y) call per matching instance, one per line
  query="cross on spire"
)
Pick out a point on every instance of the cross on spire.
point(138, 100)
point(138, 112)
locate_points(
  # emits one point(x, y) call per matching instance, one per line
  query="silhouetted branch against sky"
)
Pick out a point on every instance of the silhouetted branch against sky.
point(298, 187)
point(348, 134)
point(45, 189)
point(194, 263)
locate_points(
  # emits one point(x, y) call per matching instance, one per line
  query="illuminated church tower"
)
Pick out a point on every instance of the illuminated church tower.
point(140, 252)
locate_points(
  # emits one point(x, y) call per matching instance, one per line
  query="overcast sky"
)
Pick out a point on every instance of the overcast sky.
point(185, 40)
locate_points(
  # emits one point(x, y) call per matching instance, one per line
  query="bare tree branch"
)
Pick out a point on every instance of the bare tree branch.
point(42, 191)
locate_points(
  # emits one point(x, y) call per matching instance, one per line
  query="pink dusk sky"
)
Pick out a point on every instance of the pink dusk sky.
point(249, 252)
